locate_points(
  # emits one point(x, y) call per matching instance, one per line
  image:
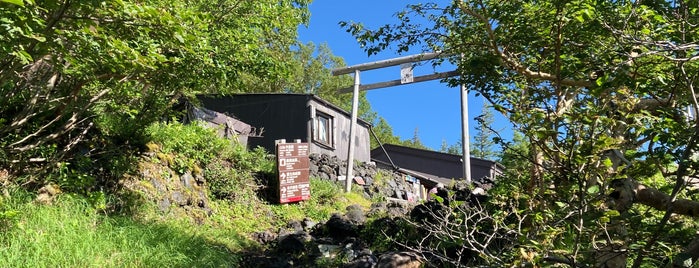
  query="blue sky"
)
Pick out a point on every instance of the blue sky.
point(430, 107)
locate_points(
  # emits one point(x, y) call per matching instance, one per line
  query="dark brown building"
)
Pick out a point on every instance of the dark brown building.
point(294, 116)
point(431, 165)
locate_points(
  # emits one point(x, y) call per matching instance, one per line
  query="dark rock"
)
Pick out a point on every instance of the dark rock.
point(264, 237)
point(308, 224)
point(328, 250)
point(293, 243)
point(349, 252)
point(377, 208)
point(333, 160)
point(355, 214)
point(267, 262)
point(327, 170)
point(313, 169)
point(364, 260)
point(399, 259)
point(203, 200)
point(429, 212)
point(396, 209)
point(354, 207)
point(314, 157)
point(295, 225)
point(368, 180)
point(342, 170)
point(339, 227)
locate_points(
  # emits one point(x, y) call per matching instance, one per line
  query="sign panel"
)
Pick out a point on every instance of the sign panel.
point(293, 169)
point(406, 73)
point(293, 163)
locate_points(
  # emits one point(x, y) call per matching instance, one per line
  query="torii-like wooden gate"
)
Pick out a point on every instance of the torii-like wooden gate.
point(406, 78)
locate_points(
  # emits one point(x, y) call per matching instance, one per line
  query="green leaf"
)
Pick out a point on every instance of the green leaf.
point(23, 56)
point(612, 213)
point(593, 189)
point(16, 2)
point(607, 162)
point(179, 37)
point(38, 38)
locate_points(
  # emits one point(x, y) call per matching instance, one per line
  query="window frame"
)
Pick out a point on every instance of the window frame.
point(329, 129)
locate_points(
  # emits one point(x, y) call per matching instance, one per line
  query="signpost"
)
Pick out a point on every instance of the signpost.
point(293, 169)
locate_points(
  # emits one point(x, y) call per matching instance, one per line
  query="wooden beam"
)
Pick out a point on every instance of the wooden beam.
point(397, 82)
point(386, 63)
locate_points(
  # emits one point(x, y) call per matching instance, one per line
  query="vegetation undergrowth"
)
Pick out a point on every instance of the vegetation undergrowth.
point(72, 233)
point(128, 230)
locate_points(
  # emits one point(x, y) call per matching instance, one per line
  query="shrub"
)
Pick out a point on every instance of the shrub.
point(191, 145)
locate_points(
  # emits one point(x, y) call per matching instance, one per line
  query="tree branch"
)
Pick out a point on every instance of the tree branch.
point(628, 191)
point(512, 62)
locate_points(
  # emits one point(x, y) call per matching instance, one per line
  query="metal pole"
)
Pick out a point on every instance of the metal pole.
point(464, 135)
point(353, 127)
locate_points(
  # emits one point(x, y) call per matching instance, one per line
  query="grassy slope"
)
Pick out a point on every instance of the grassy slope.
point(76, 232)
point(73, 233)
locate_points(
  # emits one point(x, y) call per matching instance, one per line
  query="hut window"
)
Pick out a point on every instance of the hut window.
point(323, 129)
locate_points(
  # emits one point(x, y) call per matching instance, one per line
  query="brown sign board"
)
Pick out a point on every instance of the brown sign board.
point(293, 171)
point(293, 163)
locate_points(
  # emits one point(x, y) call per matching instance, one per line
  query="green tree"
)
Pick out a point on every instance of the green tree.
point(482, 146)
point(599, 89)
point(444, 146)
point(93, 74)
point(311, 74)
point(455, 148)
point(384, 133)
point(415, 141)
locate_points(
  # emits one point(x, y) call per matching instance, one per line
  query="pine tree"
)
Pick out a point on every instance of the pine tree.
point(415, 142)
point(483, 143)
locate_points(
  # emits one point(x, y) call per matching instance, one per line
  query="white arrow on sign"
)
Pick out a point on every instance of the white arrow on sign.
point(283, 175)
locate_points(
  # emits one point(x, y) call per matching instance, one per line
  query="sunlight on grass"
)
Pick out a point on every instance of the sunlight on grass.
point(71, 234)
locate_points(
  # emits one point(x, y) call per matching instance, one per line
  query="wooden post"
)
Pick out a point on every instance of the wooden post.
point(465, 139)
point(353, 128)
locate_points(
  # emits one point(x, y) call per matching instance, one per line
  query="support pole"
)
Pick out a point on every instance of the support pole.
point(465, 138)
point(353, 127)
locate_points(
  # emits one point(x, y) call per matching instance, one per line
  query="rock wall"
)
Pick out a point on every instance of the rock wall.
point(341, 240)
point(376, 181)
point(187, 193)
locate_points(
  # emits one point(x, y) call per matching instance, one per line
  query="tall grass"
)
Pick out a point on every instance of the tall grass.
point(71, 233)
